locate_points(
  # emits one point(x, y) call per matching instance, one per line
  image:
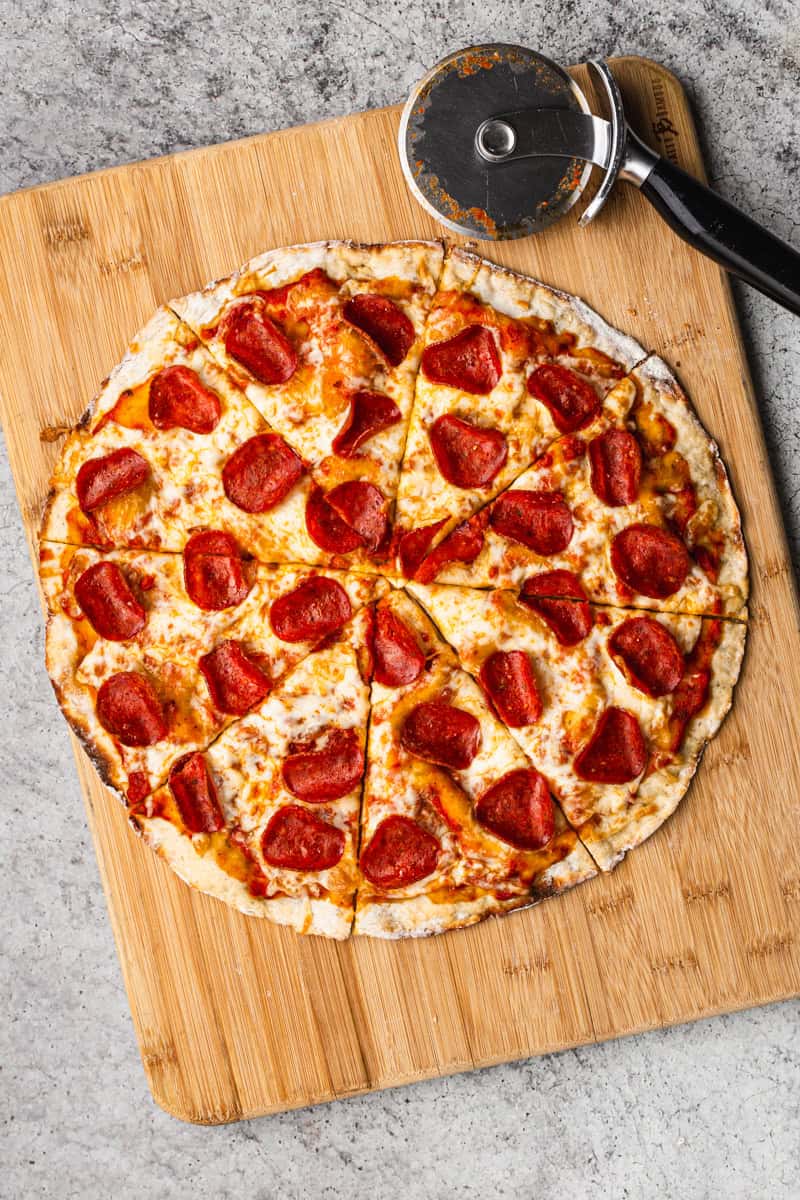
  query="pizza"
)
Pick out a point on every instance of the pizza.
point(633, 509)
point(457, 822)
point(391, 589)
point(266, 817)
point(138, 640)
point(325, 342)
point(613, 705)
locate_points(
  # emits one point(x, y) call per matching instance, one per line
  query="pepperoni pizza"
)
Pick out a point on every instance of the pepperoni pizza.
point(391, 589)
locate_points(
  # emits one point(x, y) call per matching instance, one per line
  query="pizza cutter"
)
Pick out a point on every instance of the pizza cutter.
point(498, 142)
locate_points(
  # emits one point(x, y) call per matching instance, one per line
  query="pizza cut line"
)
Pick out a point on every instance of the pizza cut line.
point(391, 589)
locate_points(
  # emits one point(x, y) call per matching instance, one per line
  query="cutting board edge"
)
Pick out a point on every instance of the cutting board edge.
point(213, 1117)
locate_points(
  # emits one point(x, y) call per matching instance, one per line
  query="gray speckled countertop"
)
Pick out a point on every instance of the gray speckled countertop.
point(709, 1110)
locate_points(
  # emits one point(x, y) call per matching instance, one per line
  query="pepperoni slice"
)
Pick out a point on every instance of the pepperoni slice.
point(235, 683)
point(328, 773)
point(573, 404)
point(649, 560)
point(102, 479)
point(326, 528)
point(518, 809)
point(508, 680)
point(254, 340)
point(195, 794)
point(364, 509)
point(690, 696)
point(383, 323)
point(108, 603)
point(401, 852)
point(300, 840)
point(315, 609)
point(559, 599)
point(616, 751)
point(398, 660)
point(138, 787)
point(179, 399)
point(539, 520)
point(129, 709)
point(470, 361)
point(261, 472)
point(441, 733)
point(413, 546)
point(652, 658)
point(212, 570)
point(463, 545)
point(370, 412)
point(616, 462)
point(467, 455)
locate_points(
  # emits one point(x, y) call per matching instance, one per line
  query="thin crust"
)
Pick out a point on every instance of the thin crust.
point(306, 414)
point(424, 497)
point(201, 872)
point(649, 393)
point(477, 873)
point(660, 793)
point(576, 685)
point(521, 295)
point(167, 651)
point(317, 687)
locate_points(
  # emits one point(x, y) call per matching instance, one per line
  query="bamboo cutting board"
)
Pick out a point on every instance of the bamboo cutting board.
point(235, 1017)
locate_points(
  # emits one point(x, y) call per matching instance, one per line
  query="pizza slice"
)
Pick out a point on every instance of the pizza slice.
point(456, 823)
point(508, 365)
point(613, 707)
point(152, 655)
point(325, 340)
point(635, 510)
point(266, 818)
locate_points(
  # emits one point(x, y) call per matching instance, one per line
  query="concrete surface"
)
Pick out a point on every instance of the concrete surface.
point(710, 1110)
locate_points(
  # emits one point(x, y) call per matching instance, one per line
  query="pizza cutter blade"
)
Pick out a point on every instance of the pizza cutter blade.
point(498, 142)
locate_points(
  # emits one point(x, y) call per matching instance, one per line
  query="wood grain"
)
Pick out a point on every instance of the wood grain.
point(235, 1017)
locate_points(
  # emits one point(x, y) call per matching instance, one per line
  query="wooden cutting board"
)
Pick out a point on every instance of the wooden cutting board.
point(236, 1017)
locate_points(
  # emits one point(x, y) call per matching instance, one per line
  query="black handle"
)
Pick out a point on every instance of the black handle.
point(724, 233)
